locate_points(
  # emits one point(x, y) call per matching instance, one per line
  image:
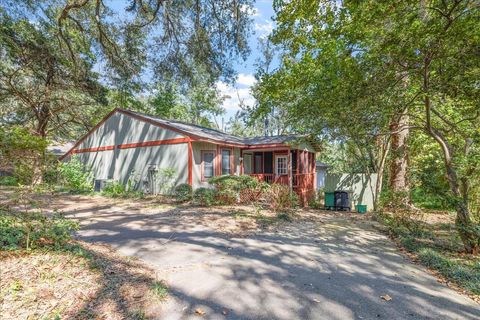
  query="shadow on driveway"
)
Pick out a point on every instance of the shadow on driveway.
point(321, 269)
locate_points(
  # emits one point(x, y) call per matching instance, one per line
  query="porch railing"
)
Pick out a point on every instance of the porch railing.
point(300, 181)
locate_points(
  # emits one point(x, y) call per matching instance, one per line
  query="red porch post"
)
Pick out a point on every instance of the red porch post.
point(190, 162)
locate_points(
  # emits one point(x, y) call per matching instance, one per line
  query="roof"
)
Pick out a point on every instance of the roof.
point(322, 164)
point(198, 132)
point(217, 135)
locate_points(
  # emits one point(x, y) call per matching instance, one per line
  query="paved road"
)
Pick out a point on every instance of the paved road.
point(322, 269)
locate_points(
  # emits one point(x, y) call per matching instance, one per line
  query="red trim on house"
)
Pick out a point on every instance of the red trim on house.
point(202, 170)
point(190, 163)
point(88, 133)
point(96, 149)
point(265, 146)
point(153, 143)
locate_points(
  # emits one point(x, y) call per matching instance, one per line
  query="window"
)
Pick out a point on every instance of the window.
point(258, 166)
point(208, 167)
point(225, 161)
point(281, 165)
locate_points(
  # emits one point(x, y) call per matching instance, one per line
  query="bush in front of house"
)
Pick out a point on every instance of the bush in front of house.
point(30, 230)
point(75, 177)
point(230, 189)
point(116, 189)
point(204, 196)
point(183, 192)
point(281, 199)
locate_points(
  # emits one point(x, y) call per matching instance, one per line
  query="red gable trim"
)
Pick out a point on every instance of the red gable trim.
point(153, 122)
point(88, 133)
point(94, 149)
point(153, 143)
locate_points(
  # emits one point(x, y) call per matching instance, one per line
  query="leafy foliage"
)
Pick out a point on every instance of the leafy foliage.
point(183, 192)
point(204, 196)
point(8, 181)
point(349, 69)
point(229, 188)
point(116, 189)
point(281, 199)
point(467, 276)
point(75, 177)
point(34, 230)
point(23, 153)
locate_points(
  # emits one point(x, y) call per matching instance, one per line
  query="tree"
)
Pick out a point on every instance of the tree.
point(351, 67)
point(38, 87)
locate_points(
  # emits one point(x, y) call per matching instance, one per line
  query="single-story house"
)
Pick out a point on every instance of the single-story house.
point(133, 146)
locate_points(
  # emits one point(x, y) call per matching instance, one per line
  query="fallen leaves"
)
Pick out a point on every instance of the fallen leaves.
point(200, 312)
point(386, 297)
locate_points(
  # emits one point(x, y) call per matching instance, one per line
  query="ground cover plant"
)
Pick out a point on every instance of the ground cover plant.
point(430, 237)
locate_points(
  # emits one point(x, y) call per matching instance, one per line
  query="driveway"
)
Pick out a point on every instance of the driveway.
point(321, 267)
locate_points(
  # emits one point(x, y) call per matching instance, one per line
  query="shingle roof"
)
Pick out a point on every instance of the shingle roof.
point(218, 135)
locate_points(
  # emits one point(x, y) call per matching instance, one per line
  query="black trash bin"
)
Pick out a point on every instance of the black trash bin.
point(342, 203)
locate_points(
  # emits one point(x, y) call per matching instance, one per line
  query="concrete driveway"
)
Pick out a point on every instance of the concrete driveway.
point(320, 268)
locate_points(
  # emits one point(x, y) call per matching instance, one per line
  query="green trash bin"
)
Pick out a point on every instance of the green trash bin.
point(329, 200)
point(361, 208)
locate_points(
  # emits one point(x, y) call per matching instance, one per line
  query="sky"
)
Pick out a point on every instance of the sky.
point(261, 13)
point(263, 24)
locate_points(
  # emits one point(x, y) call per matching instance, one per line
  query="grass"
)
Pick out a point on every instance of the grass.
point(160, 289)
point(437, 246)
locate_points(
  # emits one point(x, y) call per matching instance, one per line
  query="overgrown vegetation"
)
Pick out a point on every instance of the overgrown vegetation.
point(34, 230)
point(74, 176)
point(116, 189)
point(436, 247)
point(204, 196)
point(183, 192)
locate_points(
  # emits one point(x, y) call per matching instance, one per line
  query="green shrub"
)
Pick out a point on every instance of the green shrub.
point(204, 196)
point(230, 188)
point(165, 178)
point(34, 230)
point(116, 189)
point(183, 192)
point(8, 181)
point(74, 176)
point(464, 276)
point(281, 198)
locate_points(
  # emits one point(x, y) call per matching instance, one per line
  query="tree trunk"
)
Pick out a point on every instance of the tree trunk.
point(399, 166)
point(380, 168)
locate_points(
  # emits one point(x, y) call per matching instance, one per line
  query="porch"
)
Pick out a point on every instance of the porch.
point(291, 167)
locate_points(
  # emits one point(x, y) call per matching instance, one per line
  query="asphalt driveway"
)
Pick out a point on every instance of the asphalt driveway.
point(322, 268)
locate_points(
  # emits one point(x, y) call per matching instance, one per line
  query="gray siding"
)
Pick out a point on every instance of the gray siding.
point(197, 162)
point(133, 163)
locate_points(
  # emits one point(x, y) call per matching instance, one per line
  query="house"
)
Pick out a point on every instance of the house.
point(128, 145)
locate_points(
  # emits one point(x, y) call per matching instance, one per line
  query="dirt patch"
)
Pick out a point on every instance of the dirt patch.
point(87, 282)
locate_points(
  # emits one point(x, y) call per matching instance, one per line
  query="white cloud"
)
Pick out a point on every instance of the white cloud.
point(263, 29)
point(246, 79)
point(238, 93)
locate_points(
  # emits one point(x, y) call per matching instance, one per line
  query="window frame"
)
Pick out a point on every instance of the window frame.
point(230, 171)
point(202, 153)
point(276, 164)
